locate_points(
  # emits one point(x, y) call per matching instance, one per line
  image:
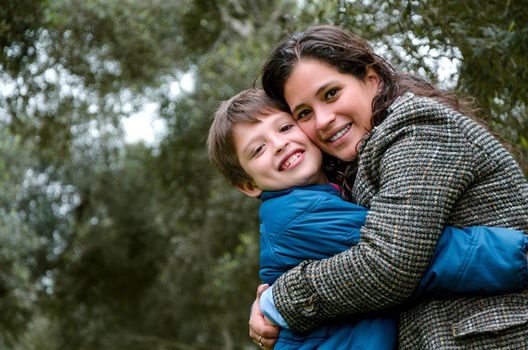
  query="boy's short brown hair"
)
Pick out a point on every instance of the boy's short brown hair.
point(245, 107)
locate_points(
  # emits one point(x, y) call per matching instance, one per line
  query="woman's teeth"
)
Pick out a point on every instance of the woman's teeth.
point(339, 134)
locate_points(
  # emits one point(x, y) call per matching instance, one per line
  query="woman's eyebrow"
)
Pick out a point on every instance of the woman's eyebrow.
point(323, 87)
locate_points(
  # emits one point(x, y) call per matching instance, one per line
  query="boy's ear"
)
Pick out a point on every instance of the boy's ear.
point(249, 188)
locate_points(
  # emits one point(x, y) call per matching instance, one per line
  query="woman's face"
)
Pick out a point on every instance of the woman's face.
point(332, 108)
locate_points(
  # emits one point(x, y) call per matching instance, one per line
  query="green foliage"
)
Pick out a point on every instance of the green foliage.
point(19, 243)
point(492, 41)
point(112, 44)
point(20, 22)
point(107, 245)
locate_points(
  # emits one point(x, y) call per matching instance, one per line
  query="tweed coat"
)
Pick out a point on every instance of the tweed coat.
point(425, 166)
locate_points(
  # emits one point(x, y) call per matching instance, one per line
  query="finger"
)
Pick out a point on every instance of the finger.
point(270, 339)
point(266, 343)
point(261, 288)
point(259, 326)
point(268, 332)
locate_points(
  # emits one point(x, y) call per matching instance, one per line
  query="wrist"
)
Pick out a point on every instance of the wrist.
point(267, 307)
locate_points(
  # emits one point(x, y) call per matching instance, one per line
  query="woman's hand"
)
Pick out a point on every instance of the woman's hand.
point(260, 329)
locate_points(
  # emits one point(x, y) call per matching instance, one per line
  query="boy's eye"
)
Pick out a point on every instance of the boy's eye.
point(330, 94)
point(257, 151)
point(285, 127)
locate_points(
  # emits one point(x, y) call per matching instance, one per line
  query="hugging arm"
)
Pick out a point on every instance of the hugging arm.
point(469, 260)
point(472, 260)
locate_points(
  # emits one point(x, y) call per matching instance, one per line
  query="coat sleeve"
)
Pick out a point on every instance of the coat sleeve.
point(421, 170)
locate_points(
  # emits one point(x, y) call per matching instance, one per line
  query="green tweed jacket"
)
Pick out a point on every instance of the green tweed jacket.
point(424, 167)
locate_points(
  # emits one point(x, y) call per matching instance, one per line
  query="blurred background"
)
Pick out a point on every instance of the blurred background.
point(115, 231)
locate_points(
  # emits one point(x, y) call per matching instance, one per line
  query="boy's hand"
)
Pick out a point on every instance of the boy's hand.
point(261, 329)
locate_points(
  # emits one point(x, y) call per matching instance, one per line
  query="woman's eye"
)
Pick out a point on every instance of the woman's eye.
point(330, 94)
point(303, 114)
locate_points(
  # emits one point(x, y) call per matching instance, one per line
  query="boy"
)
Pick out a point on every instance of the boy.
point(264, 154)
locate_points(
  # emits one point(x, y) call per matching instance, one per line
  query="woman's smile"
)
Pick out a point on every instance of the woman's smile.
point(338, 135)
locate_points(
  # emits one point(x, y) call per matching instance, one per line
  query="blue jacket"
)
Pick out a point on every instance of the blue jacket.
point(314, 223)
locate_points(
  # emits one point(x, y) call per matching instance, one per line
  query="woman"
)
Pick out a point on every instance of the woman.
point(414, 156)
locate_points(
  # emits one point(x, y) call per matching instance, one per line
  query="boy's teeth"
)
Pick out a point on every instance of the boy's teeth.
point(290, 160)
point(339, 134)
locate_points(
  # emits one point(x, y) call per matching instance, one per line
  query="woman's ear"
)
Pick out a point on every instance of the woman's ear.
point(373, 78)
point(249, 188)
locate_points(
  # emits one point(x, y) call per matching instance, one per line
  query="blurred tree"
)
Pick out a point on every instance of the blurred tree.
point(490, 41)
point(18, 242)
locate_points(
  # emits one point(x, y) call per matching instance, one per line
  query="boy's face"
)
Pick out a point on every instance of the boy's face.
point(276, 154)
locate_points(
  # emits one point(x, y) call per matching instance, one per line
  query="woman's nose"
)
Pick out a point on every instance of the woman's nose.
point(324, 119)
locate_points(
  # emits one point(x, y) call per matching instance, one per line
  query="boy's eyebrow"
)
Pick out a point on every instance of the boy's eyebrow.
point(246, 146)
point(321, 88)
point(279, 118)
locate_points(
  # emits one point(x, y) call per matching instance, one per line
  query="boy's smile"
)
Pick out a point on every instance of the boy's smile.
point(276, 154)
point(292, 160)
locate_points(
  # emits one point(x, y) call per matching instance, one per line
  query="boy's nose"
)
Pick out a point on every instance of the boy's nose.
point(279, 144)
